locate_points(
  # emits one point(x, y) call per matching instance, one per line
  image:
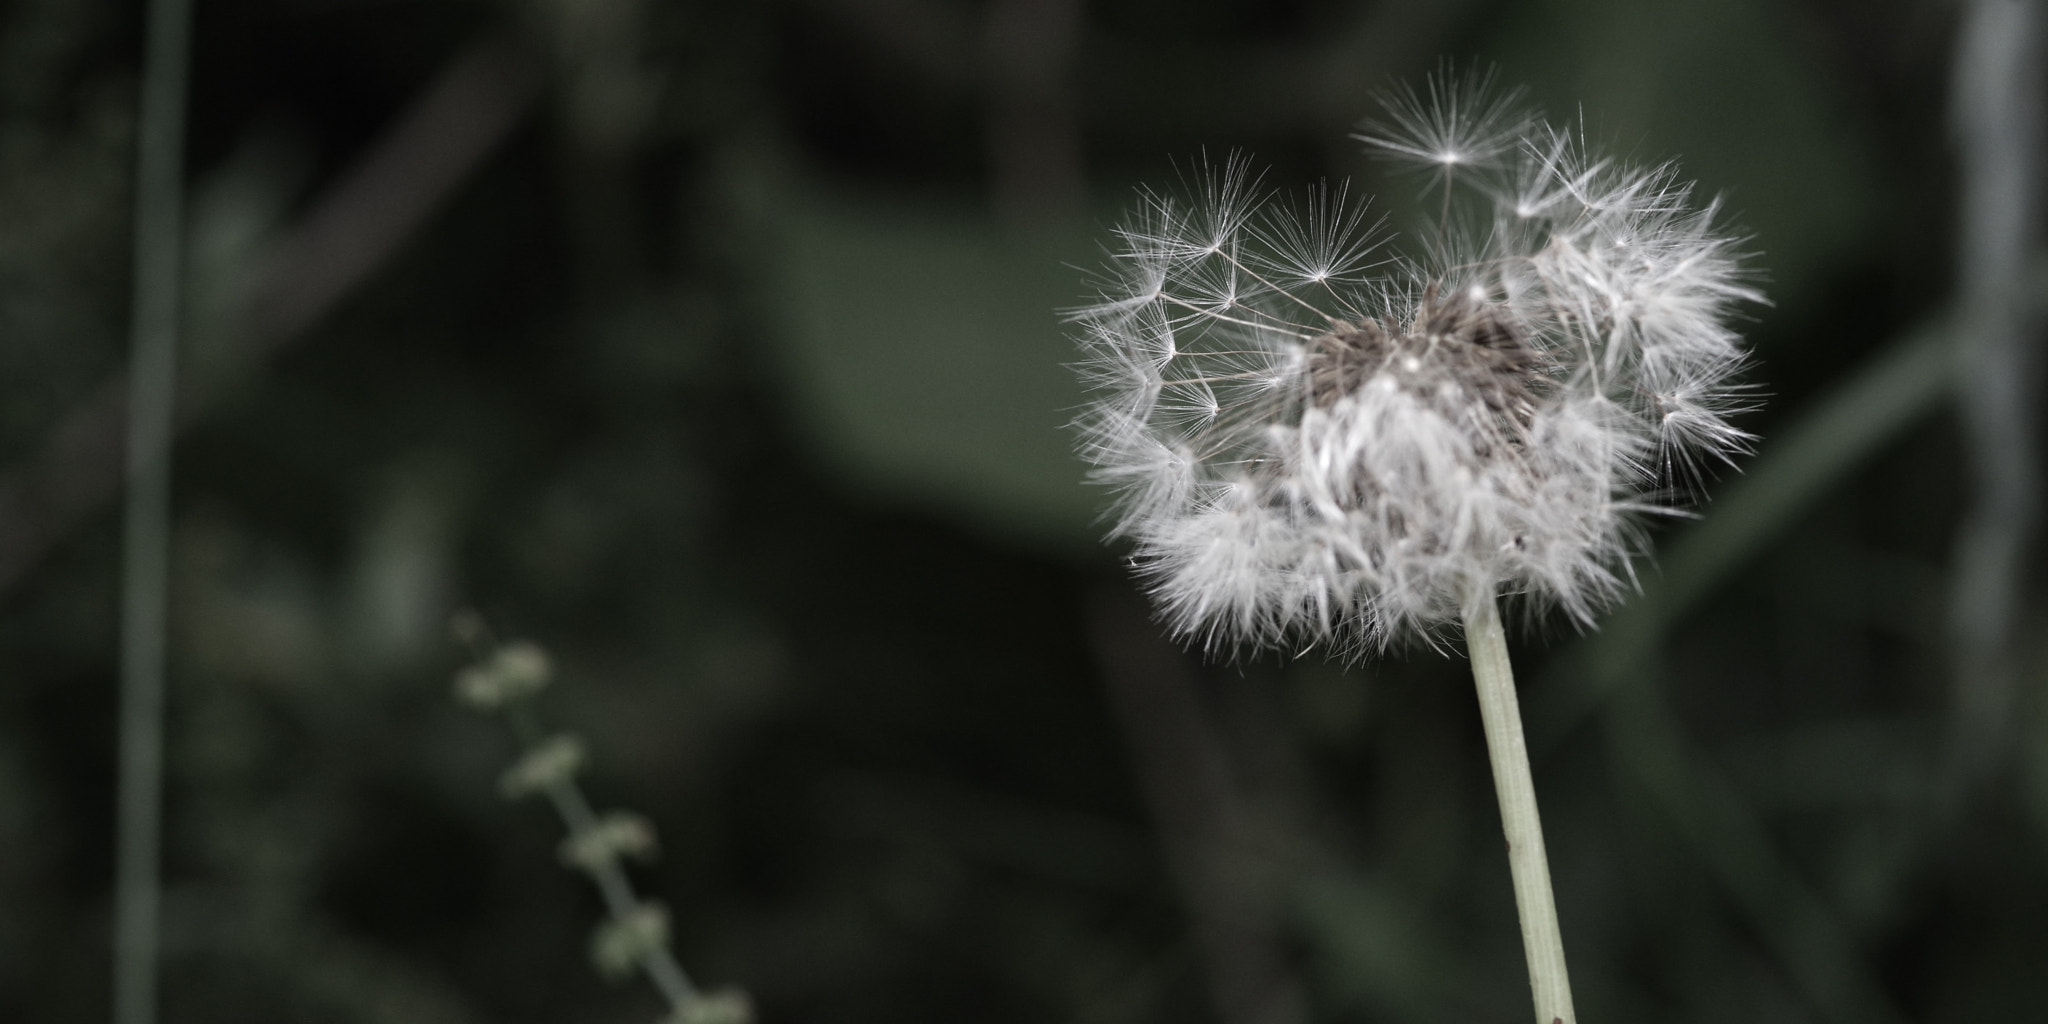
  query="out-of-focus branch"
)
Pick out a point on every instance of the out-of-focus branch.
point(1206, 828)
point(364, 218)
point(351, 229)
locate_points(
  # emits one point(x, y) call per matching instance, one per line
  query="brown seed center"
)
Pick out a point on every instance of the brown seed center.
point(1461, 348)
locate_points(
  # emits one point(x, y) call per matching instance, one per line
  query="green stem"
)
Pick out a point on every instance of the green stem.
point(619, 899)
point(1509, 752)
point(159, 241)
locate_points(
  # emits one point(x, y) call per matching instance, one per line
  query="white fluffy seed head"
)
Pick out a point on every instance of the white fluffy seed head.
point(1316, 436)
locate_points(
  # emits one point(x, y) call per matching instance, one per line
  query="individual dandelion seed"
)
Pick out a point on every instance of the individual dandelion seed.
point(1320, 432)
point(1457, 122)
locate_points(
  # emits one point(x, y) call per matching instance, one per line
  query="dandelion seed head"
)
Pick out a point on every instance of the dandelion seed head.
point(1319, 432)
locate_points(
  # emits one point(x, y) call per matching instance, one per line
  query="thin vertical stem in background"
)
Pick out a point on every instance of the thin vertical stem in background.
point(1501, 712)
point(1996, 110)
point(159, 240)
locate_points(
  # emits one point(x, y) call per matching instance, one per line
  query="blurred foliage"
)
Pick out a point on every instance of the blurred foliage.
point(919, 355)
point(730, 371)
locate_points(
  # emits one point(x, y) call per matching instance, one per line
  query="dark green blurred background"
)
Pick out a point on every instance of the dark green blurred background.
point(713, 347)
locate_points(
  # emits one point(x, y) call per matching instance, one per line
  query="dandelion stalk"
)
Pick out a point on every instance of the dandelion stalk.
point(1494, 676)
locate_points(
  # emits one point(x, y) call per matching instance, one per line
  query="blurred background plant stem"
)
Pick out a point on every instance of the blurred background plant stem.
point(159, 247)
point(1995, 109)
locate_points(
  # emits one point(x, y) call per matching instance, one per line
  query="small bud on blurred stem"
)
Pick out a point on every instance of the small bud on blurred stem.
point(615, 835)
point(619, 945)
point(549, 763)
point(514, 672)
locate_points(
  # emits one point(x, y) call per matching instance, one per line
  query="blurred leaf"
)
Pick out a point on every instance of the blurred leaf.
point(924, 348)
point(1726, 89)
